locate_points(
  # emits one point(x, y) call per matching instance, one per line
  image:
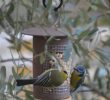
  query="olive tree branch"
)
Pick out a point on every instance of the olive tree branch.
point(15, 59)
point(99, 92)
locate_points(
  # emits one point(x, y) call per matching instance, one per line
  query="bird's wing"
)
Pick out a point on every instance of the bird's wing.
point(43, 80)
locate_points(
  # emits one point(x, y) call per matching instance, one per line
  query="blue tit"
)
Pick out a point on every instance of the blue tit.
point(77, 77)
point(49, 78)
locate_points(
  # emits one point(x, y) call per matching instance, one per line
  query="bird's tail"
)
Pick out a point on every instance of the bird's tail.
point(21, 82)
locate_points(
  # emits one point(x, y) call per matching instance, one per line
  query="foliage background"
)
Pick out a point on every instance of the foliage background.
point(87, 19)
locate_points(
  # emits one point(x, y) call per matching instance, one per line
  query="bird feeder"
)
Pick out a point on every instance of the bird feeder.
point(58, 45)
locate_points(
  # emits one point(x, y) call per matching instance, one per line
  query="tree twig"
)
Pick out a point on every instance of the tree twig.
point(16, 59)
point(99, 92)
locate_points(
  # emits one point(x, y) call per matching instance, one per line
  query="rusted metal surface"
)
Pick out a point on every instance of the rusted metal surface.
point(44, 31)
point(44, 93)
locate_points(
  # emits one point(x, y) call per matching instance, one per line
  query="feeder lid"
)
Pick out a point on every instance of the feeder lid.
point(45, 31)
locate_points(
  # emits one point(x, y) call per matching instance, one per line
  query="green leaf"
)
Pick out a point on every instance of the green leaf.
point(21, 73)
point(106, 3)
point(63, 12)
point(100, 5)
point(28, 95)
point(106, 43)
point(9, 40)
point(93, 7)
point(96, 73)
point(83, 34)
point(102, 57)
point(27, 5)
point(108, 83)
point(2, 96)
point(11, 84)
point(11, 9)
point(10, 88)
point(10, 79)
point(2, 74)
point(1, 15)
point(26, 42)
point(3, 87)
point(76, 1)
point(15, 73)
point(69, 29)
point(27, 46)
point(76, 49)
point(29, 15)
point(49, 39)
point(100, 85)
point(69, 21)
point(49, 4)
point(10, 21)
point(1, 19)
point(87, 33)
point(42, 57)
point(76, 21)
point(18, 89)
point(83, 49)
point(103, 20)
point(17, 97)
point(28, 91)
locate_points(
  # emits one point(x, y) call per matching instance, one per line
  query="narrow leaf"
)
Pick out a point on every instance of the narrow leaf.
point(2, 74)
point(11, 9)
point(42, 58)
point(14, 73)
point(75, 48)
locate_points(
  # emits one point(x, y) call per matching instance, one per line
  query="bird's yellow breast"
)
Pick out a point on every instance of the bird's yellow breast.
point(75, 78)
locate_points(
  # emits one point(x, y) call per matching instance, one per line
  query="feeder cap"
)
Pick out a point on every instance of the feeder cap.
point(44, 31)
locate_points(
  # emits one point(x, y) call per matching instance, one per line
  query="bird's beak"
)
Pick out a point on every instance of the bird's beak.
point(75, 69)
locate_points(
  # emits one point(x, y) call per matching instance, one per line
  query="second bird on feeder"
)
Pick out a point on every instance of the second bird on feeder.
point(77, 77)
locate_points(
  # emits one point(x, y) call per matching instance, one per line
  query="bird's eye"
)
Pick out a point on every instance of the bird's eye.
point(65, 72)
point(82, 74)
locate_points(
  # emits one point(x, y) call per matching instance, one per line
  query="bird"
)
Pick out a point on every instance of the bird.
point(49, 78)
point(77, 77)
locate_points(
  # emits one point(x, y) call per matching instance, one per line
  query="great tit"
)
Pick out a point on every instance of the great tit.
point(49, 78)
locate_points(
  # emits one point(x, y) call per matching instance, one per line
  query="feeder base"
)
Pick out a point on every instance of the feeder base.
point(63, 99)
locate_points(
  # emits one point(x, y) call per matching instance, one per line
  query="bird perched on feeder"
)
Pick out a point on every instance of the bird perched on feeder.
point(77, 77)
point(50, 78)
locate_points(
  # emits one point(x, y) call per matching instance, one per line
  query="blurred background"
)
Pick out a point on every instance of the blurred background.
point(87, 20)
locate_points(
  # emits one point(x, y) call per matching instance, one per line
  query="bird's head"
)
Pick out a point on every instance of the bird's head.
point(80, 70)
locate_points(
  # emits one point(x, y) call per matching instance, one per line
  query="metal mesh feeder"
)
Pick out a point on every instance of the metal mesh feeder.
point(58, 45)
